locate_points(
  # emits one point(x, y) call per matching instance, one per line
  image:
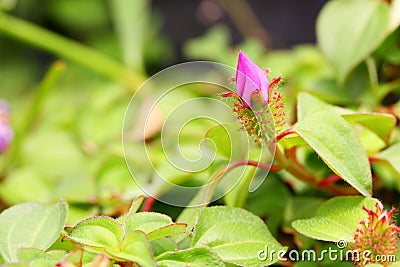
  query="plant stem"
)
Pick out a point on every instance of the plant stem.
point(69, 49)
point(302, 173)
point(148, 204)
point(45, 87)
point(245, 20)
point(284, 133)
point(214, 180)
point(374, 81)
point(372, 71)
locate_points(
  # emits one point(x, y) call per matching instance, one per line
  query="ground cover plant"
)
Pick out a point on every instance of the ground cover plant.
point(250, 157)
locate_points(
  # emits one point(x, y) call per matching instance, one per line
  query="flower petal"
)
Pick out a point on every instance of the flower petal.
point(250, 77)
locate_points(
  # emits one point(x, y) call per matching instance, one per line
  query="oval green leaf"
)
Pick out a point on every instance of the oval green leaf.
point(146, 221)
point(163, 245)
point(36, 257)
point(248, 235)
point(195, 257)
point(135, 247)
point(392, 156)
point(350, 30)
point(168, 230)
point(97, 232)
point(335, 141)
point(379, 123)
point(337, 219)
point(32, 224)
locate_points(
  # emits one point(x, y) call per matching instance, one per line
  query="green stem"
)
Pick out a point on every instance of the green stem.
point(69, 49)
point(44, 89)
point(372, 71)
point(374, 80)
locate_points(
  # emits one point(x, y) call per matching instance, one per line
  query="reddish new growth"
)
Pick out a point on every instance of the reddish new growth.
point(246, 117)
point(248, 120)
point(377, 234)
point(276, 105)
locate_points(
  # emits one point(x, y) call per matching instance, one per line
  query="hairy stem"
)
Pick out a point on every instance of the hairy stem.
point(284, 133)
point(214, 180)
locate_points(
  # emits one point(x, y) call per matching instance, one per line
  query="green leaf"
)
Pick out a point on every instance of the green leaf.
point(168, 230)
point(337, 144)
point(229, 140)
point(7, 5)
point(58, 254)
point(394, 15)
point(31, 224)
point(337, 219)
point(136, 243)
point(74, 257)
point(392, 156)
point(135, 247)
point(16, 265)
point(308, 105)
point(97, 232)
point(146, 221)
point(247, 235)
point(155, 225)
point(36, 257)
point(162, 245)
point(350, 30)
point(381, 124)
point(136, 203)
point(195, 257)
point(300, 207)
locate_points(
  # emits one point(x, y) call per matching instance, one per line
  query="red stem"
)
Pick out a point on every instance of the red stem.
point(149, 201)
point(297, 169)
point(284, 133)
point(373, 160)
point(148, 204)
point(257, 164)
point(329, 180)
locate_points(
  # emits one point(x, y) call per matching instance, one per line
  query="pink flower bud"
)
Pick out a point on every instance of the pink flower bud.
point(6, 136)
point(250, 77)
point(254, 91)
point(6, 133)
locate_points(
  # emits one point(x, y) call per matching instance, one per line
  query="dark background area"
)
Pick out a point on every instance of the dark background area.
point(287, 22)
point(280, 24)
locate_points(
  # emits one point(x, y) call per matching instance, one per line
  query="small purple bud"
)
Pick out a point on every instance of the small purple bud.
point(6, 132)
point(250, 77)
point(6, 136)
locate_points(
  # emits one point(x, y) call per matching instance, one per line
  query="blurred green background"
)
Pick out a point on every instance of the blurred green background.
point(68, 115)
